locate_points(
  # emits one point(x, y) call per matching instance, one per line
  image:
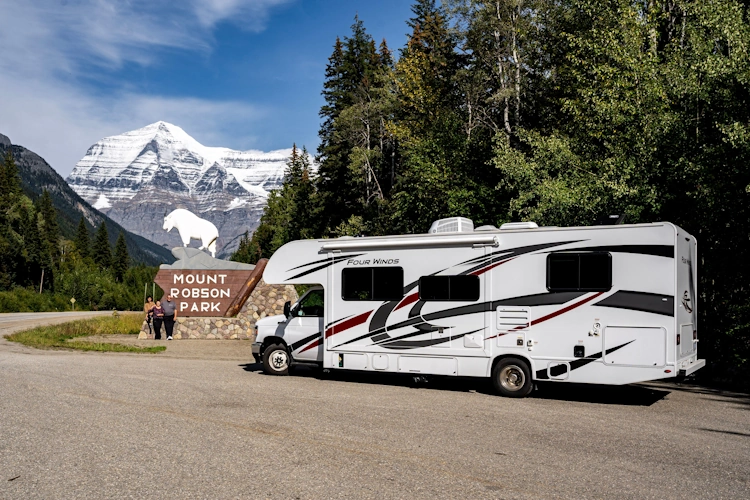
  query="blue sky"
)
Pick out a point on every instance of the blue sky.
point(244, 74)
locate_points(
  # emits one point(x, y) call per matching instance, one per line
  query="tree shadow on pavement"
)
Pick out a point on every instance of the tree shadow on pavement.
point(713, 393)
point(626, 395)
point(629, 395)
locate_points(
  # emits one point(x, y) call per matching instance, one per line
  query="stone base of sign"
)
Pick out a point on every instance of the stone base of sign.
point(266, 300)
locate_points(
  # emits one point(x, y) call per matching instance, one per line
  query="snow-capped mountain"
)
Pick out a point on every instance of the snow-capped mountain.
point(138, 177)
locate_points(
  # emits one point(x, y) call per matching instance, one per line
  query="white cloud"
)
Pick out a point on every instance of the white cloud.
point(60, 122)
point(48, 48)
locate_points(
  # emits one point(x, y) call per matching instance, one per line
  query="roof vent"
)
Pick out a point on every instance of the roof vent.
point(519, 225)
point(452, 225)
point(486, 228)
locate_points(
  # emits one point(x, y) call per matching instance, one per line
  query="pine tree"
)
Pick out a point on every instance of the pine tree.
point(50, 230)
point(10, 182)
point(101, 251)
point(82, 242)
point(351, 75)
point(121, 260)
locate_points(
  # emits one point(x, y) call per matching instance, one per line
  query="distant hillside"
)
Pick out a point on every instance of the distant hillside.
point(37, 175)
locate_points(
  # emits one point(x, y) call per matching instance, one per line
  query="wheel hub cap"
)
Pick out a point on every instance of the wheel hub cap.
point(279, 360)
point(512, 378)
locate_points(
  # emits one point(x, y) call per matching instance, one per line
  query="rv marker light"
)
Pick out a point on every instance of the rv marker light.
point(667, 371)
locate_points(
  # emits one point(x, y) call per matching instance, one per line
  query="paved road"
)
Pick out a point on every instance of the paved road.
point(95, 425)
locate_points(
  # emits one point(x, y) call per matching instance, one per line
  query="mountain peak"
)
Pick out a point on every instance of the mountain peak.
point(139, 176)
point(4, 141)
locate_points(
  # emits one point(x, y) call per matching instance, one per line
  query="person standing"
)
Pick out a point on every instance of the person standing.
point(170, 313)
point(147, 308)
point(158, 313)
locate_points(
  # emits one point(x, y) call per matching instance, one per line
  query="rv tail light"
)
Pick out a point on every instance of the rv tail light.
point(678, 339)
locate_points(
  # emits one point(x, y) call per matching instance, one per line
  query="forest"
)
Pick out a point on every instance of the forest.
point(557, 112)
point(42, 271)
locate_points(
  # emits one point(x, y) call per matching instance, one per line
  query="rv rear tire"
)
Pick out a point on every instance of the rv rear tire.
point(276, 360)
point(512, 378)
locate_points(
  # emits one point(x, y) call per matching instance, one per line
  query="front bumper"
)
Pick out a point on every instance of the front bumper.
point(256, 351)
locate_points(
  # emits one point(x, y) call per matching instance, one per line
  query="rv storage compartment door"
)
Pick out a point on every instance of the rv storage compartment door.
point(635, 346)
point(427, 364)
point(512, 326)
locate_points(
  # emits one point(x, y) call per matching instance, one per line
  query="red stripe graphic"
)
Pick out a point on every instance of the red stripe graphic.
point(409, 299)
point(565, 309)
point(484, 270)
point(550, 315)
point(356, 320)
point(316, 343)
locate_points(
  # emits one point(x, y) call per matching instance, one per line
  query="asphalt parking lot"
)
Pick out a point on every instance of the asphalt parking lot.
point(202, 421)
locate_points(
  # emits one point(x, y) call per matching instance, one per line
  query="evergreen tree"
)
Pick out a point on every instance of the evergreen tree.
point(82, 241)
point(10, 183)
point(101, 251)
point(351, 76)
point(121, 260)
point(50, 230)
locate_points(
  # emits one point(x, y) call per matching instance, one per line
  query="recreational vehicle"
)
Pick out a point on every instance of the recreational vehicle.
point(610, 304)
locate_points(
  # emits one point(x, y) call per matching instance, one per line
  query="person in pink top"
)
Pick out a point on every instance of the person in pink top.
point(158, 312)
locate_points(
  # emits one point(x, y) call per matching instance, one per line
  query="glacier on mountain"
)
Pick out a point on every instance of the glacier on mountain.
point(138, 177)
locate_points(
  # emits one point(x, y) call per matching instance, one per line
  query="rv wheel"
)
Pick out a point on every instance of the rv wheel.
point(512, 378)
point(276, 360)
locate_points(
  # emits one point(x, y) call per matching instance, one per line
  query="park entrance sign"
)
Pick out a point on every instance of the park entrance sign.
point(201, 288)
point(202, 293)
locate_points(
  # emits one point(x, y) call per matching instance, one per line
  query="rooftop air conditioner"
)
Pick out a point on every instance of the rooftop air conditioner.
point(452, 225)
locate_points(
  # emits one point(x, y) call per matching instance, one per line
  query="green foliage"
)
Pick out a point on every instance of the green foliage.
point(82, 242)
point(552, 111)
point(120, 260)
point(61, 336)
point(101, 251)
point(289, 213)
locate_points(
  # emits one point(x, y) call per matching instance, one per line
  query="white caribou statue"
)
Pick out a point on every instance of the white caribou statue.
point(190, 226)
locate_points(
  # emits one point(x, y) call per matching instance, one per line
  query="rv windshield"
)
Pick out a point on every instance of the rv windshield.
point(310, 305)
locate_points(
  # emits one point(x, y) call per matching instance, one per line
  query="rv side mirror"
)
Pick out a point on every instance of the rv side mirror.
point(287, 308)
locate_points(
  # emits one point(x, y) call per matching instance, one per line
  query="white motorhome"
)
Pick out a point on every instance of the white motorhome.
point(602, 304)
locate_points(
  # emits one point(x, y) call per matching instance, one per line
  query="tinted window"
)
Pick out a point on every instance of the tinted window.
point(591, 271)
point(311, 305)
point(357, 283)
point(596, 271)
point(372, 283)
point(462, 288)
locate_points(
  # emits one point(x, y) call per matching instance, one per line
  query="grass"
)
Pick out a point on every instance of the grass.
point(60, 336)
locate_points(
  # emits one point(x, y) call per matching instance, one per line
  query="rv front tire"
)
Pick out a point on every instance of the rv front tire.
point(512, 378)
point(276, 360)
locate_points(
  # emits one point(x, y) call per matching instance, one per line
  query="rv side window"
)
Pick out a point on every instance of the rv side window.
point(570, 271)
point(457, 288)
point(372, 283)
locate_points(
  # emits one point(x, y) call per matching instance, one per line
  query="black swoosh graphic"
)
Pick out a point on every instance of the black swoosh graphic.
point(558, 370)
point(510, 253)
point(330, 262)
point(304, 341)
point(322, 260)
point(658, 250)
point(640, 301)
point(552, 298)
